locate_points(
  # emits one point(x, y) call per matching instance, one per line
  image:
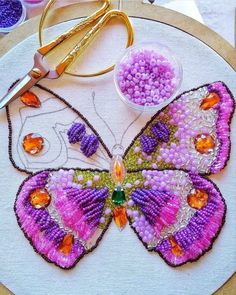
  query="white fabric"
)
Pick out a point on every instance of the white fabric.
point(120, 264)
point(218, 15)
point(187, 7)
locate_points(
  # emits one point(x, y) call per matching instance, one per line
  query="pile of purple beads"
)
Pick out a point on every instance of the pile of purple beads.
point(10, 12)
point(146, 77)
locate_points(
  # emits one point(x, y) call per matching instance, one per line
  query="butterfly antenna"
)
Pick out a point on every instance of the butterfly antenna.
point(123, 135)
point(103, 120)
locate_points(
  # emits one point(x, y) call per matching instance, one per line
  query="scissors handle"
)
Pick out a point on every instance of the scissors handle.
point(77, 28)
point(90, 35)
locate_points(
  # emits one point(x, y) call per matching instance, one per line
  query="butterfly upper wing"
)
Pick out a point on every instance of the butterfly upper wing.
point(64, 213)
point(174, 213)
point(52, 121)
point(191, 133)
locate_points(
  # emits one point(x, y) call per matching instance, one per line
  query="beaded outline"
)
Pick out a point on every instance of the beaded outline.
point(157, 113)
point(68, 105)
point(212, 239)
point(85, 252)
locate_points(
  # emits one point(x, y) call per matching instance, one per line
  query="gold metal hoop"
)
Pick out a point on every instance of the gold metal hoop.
point(89, 20)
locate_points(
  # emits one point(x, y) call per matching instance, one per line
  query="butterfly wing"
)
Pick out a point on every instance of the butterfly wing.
point(64, 213)
point(174, 213)
point(192, 133)
point(51, 121)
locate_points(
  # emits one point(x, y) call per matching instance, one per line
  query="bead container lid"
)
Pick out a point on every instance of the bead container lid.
point(13, 13)
point(148, 76)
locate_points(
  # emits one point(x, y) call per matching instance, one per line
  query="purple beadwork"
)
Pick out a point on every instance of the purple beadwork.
point(148, 144)
point(161, 131)
point(158, 208)
point(81, 206)
point(76, 132)
point(40, 228)
point(196, 238)
point(150, 202)
point(223, 123)
point(89, 145)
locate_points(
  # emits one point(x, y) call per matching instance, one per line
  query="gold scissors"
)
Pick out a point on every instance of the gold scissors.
point(41, 70)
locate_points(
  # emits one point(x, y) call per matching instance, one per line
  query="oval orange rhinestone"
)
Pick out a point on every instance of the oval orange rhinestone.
point(66, 245)
point(204, 143)
point(120, 217)
point(197, 199)
point(175, 248)
point(30, 99)
point(40, 198)
point(33, 143)
point(211, 100)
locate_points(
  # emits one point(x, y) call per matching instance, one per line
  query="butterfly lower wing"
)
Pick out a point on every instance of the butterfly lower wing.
point(64, 213)
point(174, 213)
point(192, 133)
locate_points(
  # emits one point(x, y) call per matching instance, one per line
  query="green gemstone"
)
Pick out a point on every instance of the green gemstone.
point(118, 196)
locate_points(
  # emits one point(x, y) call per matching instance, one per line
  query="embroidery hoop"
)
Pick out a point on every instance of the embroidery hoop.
point(216, 42)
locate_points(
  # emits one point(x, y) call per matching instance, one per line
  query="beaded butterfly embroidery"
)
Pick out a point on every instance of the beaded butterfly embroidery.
point(159, 184)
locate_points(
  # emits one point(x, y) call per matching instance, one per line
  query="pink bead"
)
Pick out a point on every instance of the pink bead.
point(144, 75)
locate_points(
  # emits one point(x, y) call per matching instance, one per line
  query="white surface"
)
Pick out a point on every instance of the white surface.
point(216, 14)
point(120, 264)
point(187, 7)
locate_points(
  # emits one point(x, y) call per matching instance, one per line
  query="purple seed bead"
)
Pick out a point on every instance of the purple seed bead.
point(89, 145)
point(76, 132)
point(146, 71)
point(161, 131)
point(148, 144)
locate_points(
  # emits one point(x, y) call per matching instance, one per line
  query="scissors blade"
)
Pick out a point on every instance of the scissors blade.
point(39, 71)
point(20, 88)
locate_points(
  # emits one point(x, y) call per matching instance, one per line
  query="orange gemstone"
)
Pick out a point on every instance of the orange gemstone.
point(30, 99)
point(211, 100)
point(120, 217)
point(117, 169)
point(33, 143)
point(66, 244)
point(197, 199)
point(204, 143)
point(40, 198)
point(175, 248)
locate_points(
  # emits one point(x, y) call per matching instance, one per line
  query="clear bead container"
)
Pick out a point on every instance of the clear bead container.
point(148, 76)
